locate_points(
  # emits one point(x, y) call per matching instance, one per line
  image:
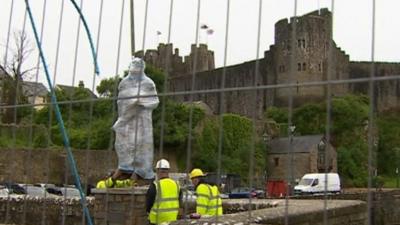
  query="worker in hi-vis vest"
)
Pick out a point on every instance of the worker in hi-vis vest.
point(163, 196)
point(208, 202)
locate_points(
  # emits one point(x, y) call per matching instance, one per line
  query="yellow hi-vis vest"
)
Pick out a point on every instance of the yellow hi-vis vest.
point(108, 183)
point(208, 201)
point(166, 204)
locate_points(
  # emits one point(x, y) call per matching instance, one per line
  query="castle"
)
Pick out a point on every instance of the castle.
point(306, 59)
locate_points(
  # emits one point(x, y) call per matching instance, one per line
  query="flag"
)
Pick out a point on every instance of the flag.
point(210, 31)
point(158, 32)
point(204, 26)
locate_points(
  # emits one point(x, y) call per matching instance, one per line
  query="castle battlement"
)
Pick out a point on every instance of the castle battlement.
point(178, 65)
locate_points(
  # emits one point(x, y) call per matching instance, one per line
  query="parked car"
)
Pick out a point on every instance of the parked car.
point(36, 191)
point(70, 192)
point(13, 188)
point(189, 196)
point(50, 188)
point(3, 192)
point(243, 192)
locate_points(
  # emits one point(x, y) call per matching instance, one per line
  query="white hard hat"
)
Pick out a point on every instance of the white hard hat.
point(162, 164)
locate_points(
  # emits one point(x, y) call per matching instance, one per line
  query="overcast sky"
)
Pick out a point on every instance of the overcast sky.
point(352, 30)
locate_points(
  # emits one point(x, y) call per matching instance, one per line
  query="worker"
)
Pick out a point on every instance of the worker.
point(109, 182)
point(163, 196)
point(208, 202)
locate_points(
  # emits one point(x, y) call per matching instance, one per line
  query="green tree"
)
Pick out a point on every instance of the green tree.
point(389, 143)
point(236, 145)
point(280, 115)
point(175, 123)
point(310, 119)
point(108, 86)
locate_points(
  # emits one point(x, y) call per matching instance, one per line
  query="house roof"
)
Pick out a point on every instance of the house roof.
point(70, 89)
point(34, 89)
point(300, 144)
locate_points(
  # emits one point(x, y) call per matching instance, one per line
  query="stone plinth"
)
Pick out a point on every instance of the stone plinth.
point(120, 206)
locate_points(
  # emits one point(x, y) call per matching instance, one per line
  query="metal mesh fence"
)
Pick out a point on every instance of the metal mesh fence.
point(260, 123)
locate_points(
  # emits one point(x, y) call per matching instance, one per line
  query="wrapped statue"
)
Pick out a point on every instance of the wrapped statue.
point(137, 98)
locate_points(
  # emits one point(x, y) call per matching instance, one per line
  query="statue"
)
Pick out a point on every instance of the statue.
point(137, 97)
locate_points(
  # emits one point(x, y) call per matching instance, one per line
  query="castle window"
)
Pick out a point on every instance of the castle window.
point(281, 68)
point(298, 66)
point(276, 161)
point(301, 43)
point(304, 66)
point(319, 67)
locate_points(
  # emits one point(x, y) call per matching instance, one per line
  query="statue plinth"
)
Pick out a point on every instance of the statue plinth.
point(120, 206)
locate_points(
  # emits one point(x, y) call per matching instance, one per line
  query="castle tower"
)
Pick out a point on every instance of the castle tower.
point(311, 50)
point(205, 59)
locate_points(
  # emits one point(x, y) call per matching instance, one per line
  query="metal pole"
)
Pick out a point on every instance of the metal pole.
point(132, 19)
point(397, 177)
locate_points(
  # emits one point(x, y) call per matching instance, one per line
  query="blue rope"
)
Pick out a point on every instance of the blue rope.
point(94, 54)
point(60, 120)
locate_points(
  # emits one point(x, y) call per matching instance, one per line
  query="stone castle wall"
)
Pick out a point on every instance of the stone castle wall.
point(387, 93)
point(51, 166)
point(165, 58)
point(310, 64)
point(243, 75)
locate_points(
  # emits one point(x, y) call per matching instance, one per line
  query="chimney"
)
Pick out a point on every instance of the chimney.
point(81, 84)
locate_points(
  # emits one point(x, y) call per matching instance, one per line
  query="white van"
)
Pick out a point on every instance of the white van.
point(313, 183)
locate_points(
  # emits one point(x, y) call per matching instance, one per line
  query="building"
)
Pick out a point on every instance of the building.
point(165, 59)
point(307, 155)
point(36, 93)
point(303, 60)
point(70, 90)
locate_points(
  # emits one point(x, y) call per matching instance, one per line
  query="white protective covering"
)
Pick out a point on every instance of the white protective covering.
point(133, 129)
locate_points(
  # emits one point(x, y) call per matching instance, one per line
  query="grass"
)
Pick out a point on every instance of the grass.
point(391, 182)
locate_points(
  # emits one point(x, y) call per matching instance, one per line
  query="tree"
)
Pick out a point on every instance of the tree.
point(107, 87)
point(15, 71)
point(236, 144)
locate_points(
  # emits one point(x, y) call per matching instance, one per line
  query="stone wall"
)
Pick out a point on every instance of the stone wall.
point(50, 166)
point(120, 206)
point(387, 93)
point(241, 102)
point(301, 164)
point(385, 204)
point(115, 206)
point(300, 212)
point(34, 211)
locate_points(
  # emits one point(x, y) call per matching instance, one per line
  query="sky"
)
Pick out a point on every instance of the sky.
point(352, 31)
